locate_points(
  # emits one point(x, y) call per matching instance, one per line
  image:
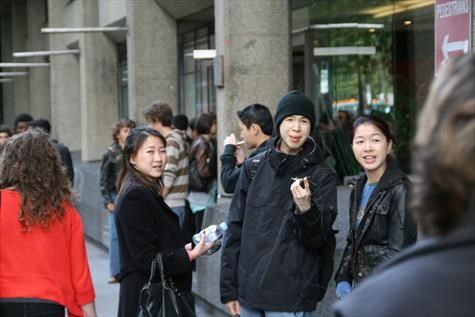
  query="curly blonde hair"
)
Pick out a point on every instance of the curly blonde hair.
point(31, 165)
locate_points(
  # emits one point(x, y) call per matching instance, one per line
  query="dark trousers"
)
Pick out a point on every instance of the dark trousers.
point(199, 220)
point(30, 309)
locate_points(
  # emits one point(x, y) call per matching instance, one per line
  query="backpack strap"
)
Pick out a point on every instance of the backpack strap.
point(252, 164)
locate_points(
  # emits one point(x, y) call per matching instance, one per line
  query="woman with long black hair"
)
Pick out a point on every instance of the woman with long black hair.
point(145, 224)
point(380, 224)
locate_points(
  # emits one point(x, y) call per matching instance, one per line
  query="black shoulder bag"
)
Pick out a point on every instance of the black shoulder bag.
point(160, 298)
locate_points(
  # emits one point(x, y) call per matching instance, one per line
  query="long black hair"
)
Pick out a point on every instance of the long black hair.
point(378, 122)
point(133, 143)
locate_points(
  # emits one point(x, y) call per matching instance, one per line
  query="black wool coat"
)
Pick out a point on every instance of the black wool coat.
point(146, 226)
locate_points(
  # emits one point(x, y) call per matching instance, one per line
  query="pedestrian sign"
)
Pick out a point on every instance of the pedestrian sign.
point(453, 30)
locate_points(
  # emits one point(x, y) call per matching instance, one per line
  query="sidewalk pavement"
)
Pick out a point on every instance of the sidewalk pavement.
point(107, 295)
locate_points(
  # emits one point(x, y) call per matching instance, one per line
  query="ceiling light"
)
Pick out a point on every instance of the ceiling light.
point(344, 50)
point(407, 22)
point(347, 26)
point(397, 7)
point(204, 54)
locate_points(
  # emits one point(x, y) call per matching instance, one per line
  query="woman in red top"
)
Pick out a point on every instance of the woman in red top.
point(43, 262)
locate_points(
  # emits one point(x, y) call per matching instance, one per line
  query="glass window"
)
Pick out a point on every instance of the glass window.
point(358, 57)
point(189, 62)
point(189, 96)
point(123, 82)
point(197, 92)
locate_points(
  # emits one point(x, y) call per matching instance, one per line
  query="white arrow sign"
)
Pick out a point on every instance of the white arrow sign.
point(453, 47)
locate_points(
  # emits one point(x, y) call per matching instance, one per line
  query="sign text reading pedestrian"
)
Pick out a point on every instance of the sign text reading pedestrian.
point(452, 30)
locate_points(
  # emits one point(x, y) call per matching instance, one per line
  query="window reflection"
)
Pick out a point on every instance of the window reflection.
point(363, 57)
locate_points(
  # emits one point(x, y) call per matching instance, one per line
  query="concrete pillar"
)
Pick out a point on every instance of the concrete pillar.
point(39, 81)
point(151, 56)
point(254, 38)
point(99, 87)
point(21, 87)
point(6, 55)
point(84, 93)
point(65, 100)
point(64, 77)
point(99, 94)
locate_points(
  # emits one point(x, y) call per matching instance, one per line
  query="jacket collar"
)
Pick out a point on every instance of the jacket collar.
point(262, 148)
point(392, 175)
point(310, 155)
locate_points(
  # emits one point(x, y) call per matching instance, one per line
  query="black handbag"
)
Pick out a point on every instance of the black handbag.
point(160, 298)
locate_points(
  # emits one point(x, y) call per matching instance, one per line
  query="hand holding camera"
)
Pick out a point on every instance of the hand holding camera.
point(301, 193)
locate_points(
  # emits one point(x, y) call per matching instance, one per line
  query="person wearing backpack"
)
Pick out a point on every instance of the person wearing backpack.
point(278, 250)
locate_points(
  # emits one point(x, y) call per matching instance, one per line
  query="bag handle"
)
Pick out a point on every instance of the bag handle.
point(157, 263)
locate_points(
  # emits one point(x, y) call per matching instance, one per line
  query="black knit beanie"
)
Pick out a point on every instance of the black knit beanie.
point(294, 103)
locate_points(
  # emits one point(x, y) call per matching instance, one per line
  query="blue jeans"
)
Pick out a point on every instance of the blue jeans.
point(114, 264)
point(249, 312)
point(180, 212)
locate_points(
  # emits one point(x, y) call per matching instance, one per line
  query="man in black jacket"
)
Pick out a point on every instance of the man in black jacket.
point(256, 125)
point(278, 250)
point(62, 149)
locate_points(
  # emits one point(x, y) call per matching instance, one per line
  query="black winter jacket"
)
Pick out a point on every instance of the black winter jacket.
point(66, 159)
point(272, 257)
point(385, 228)
point(110, 167)
point(229, 170)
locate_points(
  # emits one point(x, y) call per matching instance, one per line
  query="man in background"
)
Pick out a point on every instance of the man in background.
point(5, 134)
point(175, 177)
point(62, 149)
point(21, 122)
point(256, 125)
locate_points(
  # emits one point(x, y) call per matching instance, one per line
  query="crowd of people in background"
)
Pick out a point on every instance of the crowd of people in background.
point(157, 180)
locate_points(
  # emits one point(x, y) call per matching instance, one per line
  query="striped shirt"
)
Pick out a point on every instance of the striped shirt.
point(175, 175)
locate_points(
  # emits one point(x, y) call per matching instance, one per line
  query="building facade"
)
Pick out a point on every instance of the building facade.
point(348, 56)
point(351, 57)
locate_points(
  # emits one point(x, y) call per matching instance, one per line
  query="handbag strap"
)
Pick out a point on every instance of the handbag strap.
point(157, 264)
